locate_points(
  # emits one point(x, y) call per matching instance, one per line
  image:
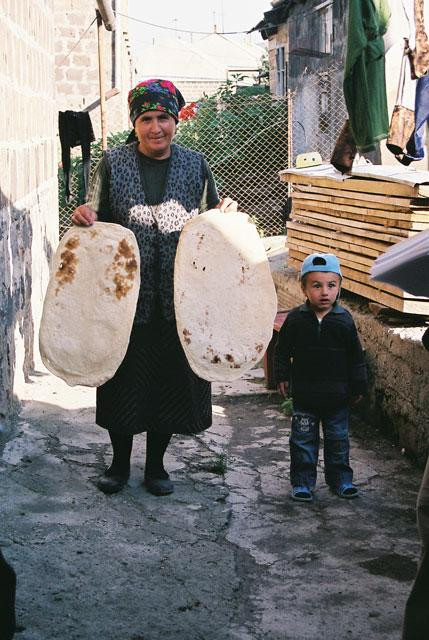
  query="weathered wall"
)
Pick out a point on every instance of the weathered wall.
point(316, 82)
point(76, 63)
point(300, 63)
point(28, 184)
point(314, 77)
point(398, 364)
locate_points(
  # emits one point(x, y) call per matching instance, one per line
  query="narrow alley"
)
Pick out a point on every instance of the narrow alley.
point(227, 557)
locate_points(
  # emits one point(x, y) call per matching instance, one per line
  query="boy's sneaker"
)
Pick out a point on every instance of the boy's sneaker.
point(301, 494)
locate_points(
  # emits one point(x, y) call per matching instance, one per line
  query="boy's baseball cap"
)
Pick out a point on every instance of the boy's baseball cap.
point(321, 262)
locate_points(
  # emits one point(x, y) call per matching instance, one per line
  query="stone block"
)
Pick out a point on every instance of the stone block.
point(62, 61)
point(77, 19)
point(75, 75)
point(81, 60)
point(65, 88)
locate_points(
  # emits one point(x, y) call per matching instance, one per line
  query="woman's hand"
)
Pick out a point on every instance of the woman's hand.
point(228, 205)
point(84, 216)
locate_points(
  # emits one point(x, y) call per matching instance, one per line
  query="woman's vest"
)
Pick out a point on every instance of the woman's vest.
point(157, 228)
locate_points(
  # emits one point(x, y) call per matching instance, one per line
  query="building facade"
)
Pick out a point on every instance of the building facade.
point(77, 63)
point(307, 44)
point(49, 56)
point(28, 185)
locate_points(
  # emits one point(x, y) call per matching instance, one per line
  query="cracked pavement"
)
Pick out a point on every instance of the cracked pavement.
point(228, 556)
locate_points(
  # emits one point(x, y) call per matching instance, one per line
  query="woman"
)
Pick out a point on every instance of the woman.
point(153, 187)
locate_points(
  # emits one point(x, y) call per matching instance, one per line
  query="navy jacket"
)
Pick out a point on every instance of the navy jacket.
point(323, 362)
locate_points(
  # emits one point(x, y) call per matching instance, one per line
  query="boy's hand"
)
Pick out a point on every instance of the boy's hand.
point(283, 389)
point(355, 400)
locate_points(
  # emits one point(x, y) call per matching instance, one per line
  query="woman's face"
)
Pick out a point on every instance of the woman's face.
point(155, 131)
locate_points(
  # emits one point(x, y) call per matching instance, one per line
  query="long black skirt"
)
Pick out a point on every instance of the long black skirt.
point(154, 388)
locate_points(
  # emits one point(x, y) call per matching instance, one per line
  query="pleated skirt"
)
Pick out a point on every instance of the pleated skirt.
point(154, 388)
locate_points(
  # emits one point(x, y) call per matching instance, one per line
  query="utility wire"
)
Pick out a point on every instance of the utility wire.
point(75, 45)
point(158, 26)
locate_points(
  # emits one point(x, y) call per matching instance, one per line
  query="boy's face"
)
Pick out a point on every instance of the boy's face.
point(321, 289)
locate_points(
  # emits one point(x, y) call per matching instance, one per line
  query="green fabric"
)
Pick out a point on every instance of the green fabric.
point(364, 74)
point(154, 174)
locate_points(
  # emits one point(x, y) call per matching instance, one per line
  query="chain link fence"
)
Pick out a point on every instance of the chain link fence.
point(244, 137)
point(318, 112)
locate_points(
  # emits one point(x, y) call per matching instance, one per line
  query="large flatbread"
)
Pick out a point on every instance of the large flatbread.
point(90, 303)
point(224, 295)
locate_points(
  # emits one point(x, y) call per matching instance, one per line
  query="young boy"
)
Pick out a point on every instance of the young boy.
point(319, 359)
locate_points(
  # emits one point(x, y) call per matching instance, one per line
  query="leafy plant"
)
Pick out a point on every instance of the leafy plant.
point(218, 465)
point(286, 406)
point(240, 131)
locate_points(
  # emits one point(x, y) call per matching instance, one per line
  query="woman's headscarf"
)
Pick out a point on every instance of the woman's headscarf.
point(155, 95)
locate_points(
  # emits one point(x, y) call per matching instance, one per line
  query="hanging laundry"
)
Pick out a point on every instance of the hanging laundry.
point(419, 56)
point(402, 120)
point(364, 74)
point(415, 146)
point(400, 25)
point(75, 129)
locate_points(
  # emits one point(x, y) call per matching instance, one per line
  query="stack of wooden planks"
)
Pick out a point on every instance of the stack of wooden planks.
point(357, 219)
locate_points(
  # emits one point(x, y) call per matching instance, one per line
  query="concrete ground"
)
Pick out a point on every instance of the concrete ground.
point(228, 556)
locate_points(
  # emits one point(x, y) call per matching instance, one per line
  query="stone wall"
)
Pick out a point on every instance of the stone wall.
point(398, 365)
point(28, 184)
point(76, 63)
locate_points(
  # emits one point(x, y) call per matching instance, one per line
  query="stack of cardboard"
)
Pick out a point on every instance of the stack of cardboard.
point(358, 219)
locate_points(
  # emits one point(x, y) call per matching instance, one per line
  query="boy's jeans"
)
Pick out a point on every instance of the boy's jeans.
point(304, 447)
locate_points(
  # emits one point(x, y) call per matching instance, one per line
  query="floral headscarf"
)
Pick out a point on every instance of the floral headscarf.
point(155, 95)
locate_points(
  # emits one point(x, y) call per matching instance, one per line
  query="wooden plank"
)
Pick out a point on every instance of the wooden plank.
point(361, 242)
point(349, 270)
point(336, 200)
point(364, 262)
point(327, 245)
point(368, 199)
point(295, 247)
point(398, 219)
point(354, 271)
point(396, 227)
point(359, 278)
point(300, 251)
point(419, 306)
point(356, 184)
point(378, 232)
point(424, 190)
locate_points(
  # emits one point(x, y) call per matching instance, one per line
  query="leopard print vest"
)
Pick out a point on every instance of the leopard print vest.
point(157, 228)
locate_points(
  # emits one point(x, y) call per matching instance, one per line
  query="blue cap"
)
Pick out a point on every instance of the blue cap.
point(321, 262)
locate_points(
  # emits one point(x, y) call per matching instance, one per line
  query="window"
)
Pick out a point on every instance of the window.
point(281, 77)
point(311, 31)
point(326, 31)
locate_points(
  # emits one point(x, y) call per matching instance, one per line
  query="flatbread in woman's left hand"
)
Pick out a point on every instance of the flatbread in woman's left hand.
point(224, 296)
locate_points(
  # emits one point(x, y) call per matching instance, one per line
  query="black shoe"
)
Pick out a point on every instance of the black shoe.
point(159, 486)
point(111, 483)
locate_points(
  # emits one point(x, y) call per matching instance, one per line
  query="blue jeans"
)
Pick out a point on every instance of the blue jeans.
point(304, 447)
point(415, 145)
